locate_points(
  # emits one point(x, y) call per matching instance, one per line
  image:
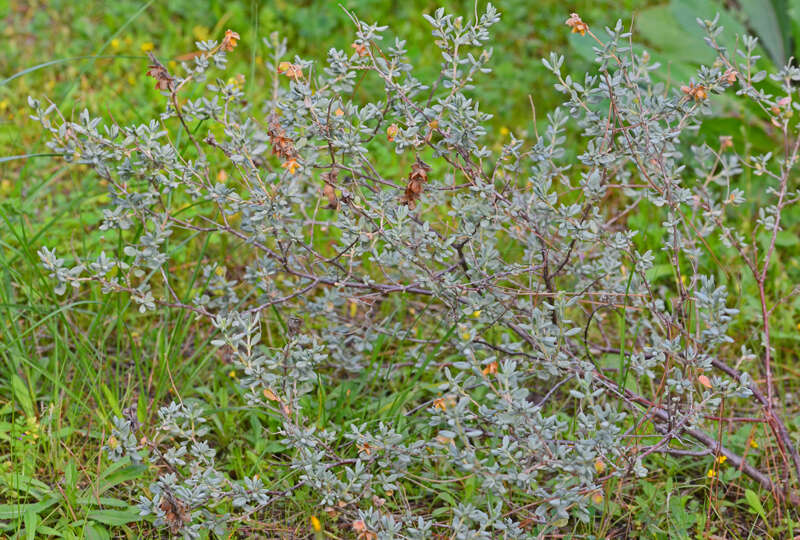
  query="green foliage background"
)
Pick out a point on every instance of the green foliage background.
point(87, 356)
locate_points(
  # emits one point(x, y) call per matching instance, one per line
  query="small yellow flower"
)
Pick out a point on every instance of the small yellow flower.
point(315, 524)
point(113, 442)
point(476, 314)
point(504, 131)
point(147, 46)
point(465, 336)
point(597, 498)
point(753, 442)
point(200, 33)
point(232, 374)
point(711, 473)
point(115, 43)
point(600, 466)
point(722, 459)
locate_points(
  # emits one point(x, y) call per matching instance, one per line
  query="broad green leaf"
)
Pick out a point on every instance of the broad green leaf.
point(25, 485)
point(115, 518)
point(22, 395)
point(96, 532)
point(786, 239)
point(755, 503)
point(119, 472)
point(31, 521)
point(686, 13)
point(91, 500)
point(16, 511)
point(765, 19)
point(658, 27)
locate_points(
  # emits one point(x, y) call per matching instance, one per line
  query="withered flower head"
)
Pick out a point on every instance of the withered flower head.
point(176, 512)
point(416, 179)
point(293, 71)
point(696, 92)
point(391, 132)
point(329, 191)
point(361, 48)
point(230, 40)
point(577, 25)
point(164, 81)
point(282, 145)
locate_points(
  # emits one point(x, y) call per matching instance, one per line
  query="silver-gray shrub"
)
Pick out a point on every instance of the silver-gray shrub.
point(511, 277)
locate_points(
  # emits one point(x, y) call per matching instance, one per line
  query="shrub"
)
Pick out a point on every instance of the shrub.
point(561, 355)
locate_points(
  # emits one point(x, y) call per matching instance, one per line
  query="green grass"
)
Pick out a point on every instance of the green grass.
point(70, 364)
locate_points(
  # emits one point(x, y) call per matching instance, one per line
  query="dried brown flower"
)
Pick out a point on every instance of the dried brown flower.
point(329, 191)
point(293, 71)
point(164, 81)
point(416, 180)
point(577, 25)
point(176, 513)
point(391, 132)
point(230, 40)
point(696, 92)
point(361, 48)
